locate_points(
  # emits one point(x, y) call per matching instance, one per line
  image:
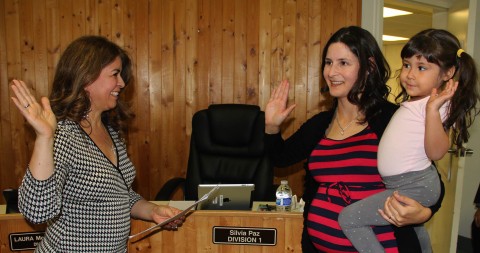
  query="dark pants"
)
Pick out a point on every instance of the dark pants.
point(475, 238)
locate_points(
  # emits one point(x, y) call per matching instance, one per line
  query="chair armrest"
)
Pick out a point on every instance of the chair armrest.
point(11, 197)
point(167, 190)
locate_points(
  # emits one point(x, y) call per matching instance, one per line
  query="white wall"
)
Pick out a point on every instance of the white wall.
point(392, 54)
point(472, 164)
point(461, 19)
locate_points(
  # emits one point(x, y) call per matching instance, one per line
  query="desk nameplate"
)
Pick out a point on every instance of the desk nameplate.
point(25, 241)
point(245, 236)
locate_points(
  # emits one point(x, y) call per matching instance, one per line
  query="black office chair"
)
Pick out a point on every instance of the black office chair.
point(226, 147)
point(11, 197)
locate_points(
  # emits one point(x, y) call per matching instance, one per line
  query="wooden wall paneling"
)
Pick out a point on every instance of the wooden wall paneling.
point(27, 73)
point(78, 11)
point(117, 23)
point(28, 44)
point(276, 68)
point(7, 176)
point(105, 15)
point(289, 59)
point(219, 63)
point(354, 12)
point(191, 47)
point(340, 8)
point(327, 23)
point(91, 17)
point(315, 45)
point(240, 60)
point(186, 55)
point(135, 139)
point(203, 60)
point(65, 13)
point(155, 83)
point(40, 47)
point(264, 51)
point(191, 50)
point(52, 35)
point(299, 81)
point(224, 43)
point(12, 162)
point(168, 133)
point(252, 47)
point(179, 141)
point(137, 41)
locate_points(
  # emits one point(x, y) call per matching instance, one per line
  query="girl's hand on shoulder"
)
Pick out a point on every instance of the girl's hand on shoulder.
point(436, 99)
point(276, 110)
point(39, 116)
point(401, 211)
point(163, 212)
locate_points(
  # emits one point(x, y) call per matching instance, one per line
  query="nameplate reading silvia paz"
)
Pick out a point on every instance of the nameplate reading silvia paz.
point(245, 236)
point(25, 241)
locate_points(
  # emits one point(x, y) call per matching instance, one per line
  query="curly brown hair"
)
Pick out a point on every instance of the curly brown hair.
point(80, 65)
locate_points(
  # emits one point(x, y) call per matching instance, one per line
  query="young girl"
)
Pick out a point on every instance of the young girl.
point(418, 133)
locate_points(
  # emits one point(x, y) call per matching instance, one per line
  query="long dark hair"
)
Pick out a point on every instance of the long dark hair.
point(440, 47)
point(370, 89)
point(80, 65)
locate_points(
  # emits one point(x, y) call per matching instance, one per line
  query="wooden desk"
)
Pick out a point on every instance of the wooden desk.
point(195, 235)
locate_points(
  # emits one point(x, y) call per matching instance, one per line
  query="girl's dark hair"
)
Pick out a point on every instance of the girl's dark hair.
point(440, 47)
point(79, 66)
point(370, 89)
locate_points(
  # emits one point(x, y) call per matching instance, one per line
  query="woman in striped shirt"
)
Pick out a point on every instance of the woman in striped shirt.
point(341, 144)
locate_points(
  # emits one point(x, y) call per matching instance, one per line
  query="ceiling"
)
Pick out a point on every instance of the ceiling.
point(408, 25)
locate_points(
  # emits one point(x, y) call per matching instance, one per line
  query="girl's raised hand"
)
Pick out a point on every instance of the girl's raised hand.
point(276, 110)
point(438, 99)
point(39, 116)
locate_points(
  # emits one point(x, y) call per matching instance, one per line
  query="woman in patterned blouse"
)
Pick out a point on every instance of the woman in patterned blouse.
point(79, 177)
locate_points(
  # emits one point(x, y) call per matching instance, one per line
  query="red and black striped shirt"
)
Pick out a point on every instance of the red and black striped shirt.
point(347, 172)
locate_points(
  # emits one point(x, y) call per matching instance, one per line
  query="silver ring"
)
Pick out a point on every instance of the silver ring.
point(26, 106)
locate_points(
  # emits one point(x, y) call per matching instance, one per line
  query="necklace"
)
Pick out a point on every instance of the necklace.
point(113, 148)
point(343, 129)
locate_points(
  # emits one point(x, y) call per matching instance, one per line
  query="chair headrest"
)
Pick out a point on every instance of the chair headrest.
point(230, 127)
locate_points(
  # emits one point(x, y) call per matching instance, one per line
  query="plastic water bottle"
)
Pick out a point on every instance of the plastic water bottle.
point(284, 197)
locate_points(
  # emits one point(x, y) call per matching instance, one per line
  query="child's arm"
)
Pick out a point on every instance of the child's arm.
point(436, 138)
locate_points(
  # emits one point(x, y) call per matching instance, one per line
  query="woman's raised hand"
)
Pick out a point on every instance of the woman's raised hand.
point(276, 110)
point(39, 116)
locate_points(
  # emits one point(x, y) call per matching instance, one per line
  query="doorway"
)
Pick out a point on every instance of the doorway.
point(452, 15)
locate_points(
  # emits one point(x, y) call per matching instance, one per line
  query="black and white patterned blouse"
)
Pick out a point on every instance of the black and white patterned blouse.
point(87, 201)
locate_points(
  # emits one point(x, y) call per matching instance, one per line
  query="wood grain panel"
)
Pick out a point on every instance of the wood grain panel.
point(195, 235)
point(187, 54)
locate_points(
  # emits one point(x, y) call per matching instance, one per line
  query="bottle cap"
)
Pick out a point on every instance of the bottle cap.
point(284, 182)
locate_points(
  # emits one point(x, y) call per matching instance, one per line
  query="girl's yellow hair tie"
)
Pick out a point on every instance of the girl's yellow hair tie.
point(459, 52)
